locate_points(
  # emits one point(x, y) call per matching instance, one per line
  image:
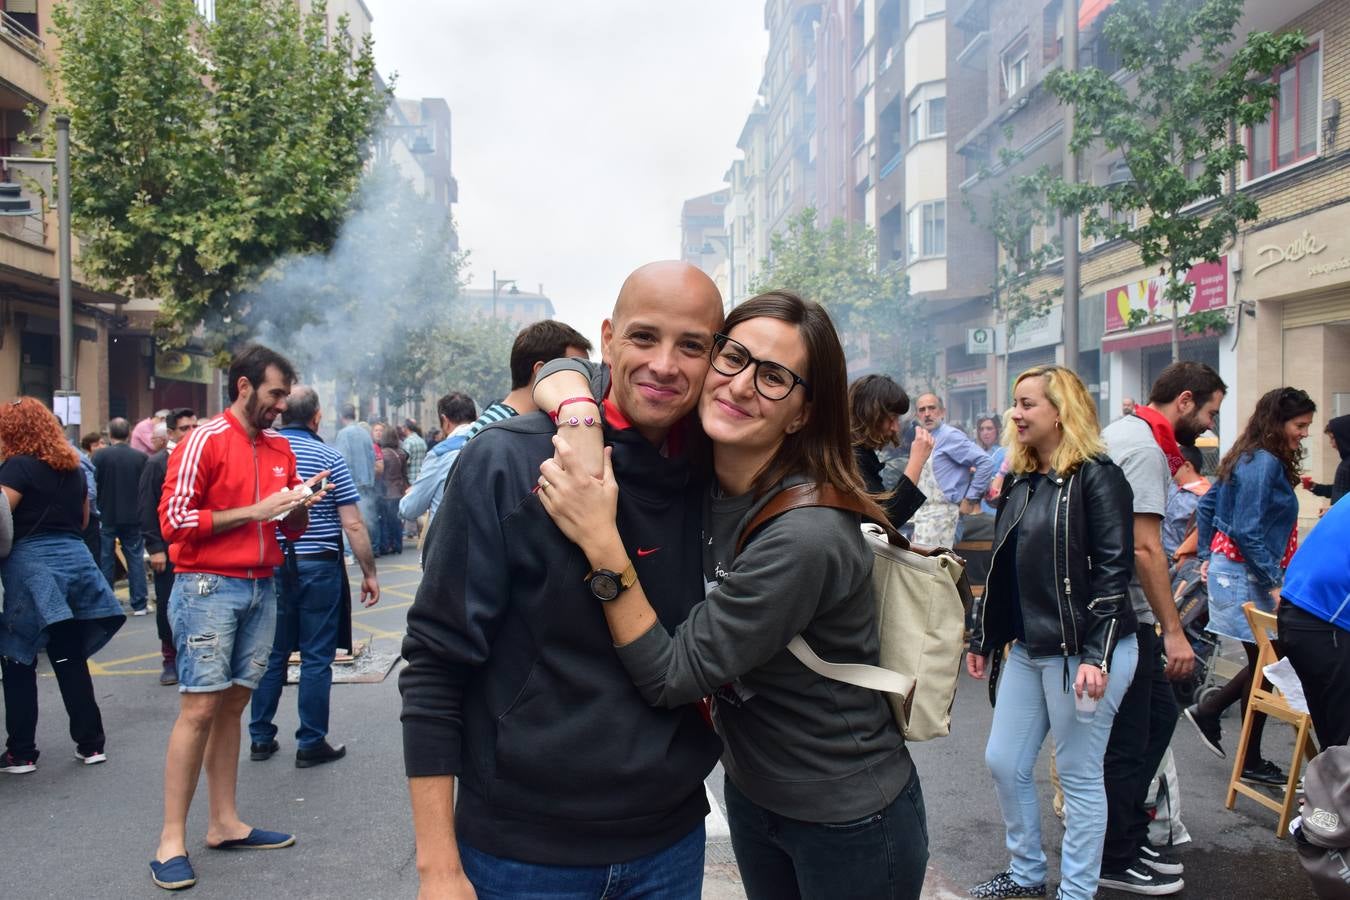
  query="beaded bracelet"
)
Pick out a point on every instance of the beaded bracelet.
point(573, 421)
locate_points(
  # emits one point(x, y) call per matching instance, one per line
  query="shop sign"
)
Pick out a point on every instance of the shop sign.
point(1209, 290)
point(177, 365)
point(1041, 331)
point(1308, 253)
point(981, 341)
point(1305, 245)
point(968, 378)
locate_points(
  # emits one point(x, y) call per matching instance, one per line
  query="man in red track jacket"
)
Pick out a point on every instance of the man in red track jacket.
point(228, 488)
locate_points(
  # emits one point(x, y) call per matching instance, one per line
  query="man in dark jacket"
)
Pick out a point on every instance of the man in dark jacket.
point(1338, 430)
point(179, 424)
point(512, 684)
point(118, 473)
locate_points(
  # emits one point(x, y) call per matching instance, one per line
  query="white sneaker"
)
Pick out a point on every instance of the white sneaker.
point(140, 612)
point(92, 759)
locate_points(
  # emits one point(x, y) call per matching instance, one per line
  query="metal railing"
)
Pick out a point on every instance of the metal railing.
point(20, 34)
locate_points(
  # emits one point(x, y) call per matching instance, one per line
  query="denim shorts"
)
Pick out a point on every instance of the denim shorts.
point(222, 630)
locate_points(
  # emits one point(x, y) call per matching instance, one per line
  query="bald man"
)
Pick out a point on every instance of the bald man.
point(512, 686)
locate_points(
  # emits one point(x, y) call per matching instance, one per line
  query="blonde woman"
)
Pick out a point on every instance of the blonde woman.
point(1070, 624)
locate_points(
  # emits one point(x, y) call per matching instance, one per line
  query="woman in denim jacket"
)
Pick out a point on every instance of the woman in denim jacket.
point(1248, 531)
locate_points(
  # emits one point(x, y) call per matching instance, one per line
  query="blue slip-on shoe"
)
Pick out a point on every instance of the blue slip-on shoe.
point(173, 874)
point(257, 839)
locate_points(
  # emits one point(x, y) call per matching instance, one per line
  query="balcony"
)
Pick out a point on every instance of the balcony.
point(21, 62)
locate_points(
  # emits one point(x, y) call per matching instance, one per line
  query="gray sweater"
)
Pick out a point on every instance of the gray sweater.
point(797, 744)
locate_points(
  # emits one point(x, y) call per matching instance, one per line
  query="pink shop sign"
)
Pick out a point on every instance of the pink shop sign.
point(1209, 290)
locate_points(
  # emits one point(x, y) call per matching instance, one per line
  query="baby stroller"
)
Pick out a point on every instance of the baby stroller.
point(1192, 599)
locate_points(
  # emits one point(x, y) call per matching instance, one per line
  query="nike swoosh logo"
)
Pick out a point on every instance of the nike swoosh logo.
point(642, 552)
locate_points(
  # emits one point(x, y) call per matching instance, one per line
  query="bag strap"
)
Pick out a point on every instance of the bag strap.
point(858, 674)
point(800, 495)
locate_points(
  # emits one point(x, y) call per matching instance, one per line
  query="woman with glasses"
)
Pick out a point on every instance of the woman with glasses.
point(1247, 526)
point(1070, 624)
point(877, 403)
point(822, 796)
point(55, 596)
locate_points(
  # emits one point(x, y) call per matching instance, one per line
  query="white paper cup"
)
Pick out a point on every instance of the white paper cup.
point(1084, 706)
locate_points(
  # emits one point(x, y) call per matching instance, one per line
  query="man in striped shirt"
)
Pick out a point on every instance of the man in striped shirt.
point(308, 603)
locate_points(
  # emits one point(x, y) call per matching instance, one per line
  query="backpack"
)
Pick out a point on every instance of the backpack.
point(922, 599)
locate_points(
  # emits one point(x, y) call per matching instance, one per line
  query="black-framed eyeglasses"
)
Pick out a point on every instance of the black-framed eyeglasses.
point(772, 380)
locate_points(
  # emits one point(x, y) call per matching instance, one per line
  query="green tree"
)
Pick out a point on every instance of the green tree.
point(204, 152)
point(838, 267)
point(1178, 122)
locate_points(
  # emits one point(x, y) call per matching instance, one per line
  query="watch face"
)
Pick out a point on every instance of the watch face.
point(604, 586)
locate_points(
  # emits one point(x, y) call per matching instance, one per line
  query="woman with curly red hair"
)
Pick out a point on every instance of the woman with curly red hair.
point(55, 595)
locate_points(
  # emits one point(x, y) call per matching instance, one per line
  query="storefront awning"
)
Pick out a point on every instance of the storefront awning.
point(1154, 336)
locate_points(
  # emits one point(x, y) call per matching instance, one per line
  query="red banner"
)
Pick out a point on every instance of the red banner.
point(1209, 290)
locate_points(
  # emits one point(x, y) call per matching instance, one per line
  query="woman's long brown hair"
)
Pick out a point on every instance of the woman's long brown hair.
point(1265, 431)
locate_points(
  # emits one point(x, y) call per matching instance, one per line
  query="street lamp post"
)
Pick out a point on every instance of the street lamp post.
point(497, 285)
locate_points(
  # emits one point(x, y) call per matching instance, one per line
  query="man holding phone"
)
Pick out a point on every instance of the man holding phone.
point(230, 486)
point(310, 595)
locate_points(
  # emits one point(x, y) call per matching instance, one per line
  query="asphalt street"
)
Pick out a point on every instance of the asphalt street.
point(75, 831)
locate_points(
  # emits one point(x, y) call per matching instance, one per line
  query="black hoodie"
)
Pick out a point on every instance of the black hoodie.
point(1339, 428)
point(512, 682)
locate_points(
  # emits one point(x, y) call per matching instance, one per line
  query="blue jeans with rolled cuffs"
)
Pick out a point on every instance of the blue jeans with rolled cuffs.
point(222, 630)
point(1032, 703)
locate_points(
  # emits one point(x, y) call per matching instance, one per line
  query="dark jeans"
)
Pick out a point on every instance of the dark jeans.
point(133, 549)
point(391, 527)
point(65, 648)
point(93, 539)
point(1139, 739)
point(307, 616)
point(882, 855)
point(163, 589)
point(675, 873)
point(1320, 654)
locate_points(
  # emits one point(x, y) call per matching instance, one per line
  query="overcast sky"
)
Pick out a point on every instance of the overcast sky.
point(579, 127)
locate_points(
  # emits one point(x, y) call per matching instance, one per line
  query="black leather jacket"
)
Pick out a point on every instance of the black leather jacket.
point(1070, 572)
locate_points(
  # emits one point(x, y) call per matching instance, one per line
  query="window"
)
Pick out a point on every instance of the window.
point(1013, 68)
point(207, 9)
point(923, 9)
point(1290, 134)
point(1052, 30)
point(928, 230)
point(928, 112)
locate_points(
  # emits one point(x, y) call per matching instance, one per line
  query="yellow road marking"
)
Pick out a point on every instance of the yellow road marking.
point(379, 608)
point(129, 659)
point(378, 632)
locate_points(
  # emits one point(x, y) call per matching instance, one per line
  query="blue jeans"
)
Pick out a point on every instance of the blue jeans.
point(1032, 702)
point(307, 616)
point(675, 873)
point(222, 630)
point(1232, 584)
point(878, 857)
point(133, 548)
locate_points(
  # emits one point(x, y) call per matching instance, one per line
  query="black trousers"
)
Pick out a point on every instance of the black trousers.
point(1139, 738)
point(65, 647)
point(1320, 654)
point(163, 588)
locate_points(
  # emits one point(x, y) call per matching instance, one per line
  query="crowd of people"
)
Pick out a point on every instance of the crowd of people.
point(604, 613)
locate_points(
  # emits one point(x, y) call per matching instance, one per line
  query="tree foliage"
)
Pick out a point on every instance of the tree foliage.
point(1172, 121)
point(203, 152)
point(838, 266)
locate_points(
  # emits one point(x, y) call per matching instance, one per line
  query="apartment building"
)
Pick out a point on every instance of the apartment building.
point(705, 240)
point(519, 307)
point(1284, 284)
point(29, 268)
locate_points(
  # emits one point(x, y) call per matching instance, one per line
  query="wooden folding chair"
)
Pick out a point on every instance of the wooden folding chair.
point(1271, 702)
